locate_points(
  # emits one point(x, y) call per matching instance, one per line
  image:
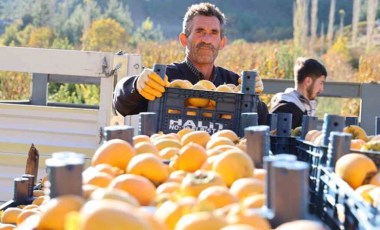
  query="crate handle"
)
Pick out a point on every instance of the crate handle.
point(249, 82)
point(160, 70)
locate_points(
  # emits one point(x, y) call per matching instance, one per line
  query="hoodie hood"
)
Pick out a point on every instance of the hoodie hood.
point(293, 96)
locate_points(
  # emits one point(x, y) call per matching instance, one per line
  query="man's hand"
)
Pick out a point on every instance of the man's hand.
point(150, 85)
point(259, 86)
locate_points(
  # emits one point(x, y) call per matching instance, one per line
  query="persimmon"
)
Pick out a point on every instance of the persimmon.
point(115, 152)
point(232, 165)
point(195, 183)
point(217, 196)
point(150, 166)
point(138, 186)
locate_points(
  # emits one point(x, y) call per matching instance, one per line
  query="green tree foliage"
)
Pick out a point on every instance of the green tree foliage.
point(118, 11)
point(369, 67)
point(72, 26)
point(41, 37)
point(62, 43)
point(43, 12)
point(105, 35)
point(76, 93)
point(14, 86)
point(9, 38)
point(17, 34)
point(147, 32)
point(337, 61)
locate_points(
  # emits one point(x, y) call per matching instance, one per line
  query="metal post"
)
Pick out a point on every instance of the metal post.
point(67, 167)
point(147, 123)
point(257, 143)
point(290, 188)
point(248, 82)
point(247, 120)
point(339, 145)
point(122, 132)
point(272, 121)
point(284, 124)
point(308, 123)
point(331, 123)
point(268, 162)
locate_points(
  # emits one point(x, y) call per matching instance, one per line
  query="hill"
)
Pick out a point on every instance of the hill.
point(253, 20)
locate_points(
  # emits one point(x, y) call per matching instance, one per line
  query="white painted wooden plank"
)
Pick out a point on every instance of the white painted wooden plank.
point(47, 138)
point(54, 61)
point(105, 103)
point(43, 125)
point(134, 65)
point(134, 68)
point(57, 113)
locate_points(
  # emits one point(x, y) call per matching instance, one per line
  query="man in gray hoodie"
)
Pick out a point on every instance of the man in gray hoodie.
point(309, 77)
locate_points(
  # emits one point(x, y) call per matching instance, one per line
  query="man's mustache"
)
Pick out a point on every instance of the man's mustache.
point(204, 45)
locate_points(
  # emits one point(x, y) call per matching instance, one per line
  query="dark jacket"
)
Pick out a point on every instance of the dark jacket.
point(289, 107)
point(127, 101)
point(293, 102)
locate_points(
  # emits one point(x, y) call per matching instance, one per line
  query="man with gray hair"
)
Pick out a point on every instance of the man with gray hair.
point(203, 36)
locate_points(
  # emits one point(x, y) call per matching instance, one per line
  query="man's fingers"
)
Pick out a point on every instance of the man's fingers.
point(147, 96)
point(155, 77)
point(152, 91)
point(156, 86)
point(140, 85)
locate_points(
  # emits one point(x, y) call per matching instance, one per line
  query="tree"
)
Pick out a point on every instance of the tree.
point(147, 32)
point(41, 37)
point(371, 17)
point(355, 21)
point(313, 24)
point(17, 34)
point(43, 12)
point(72, 27)
point(105, 35)
point(90, 12)
point(116, 10)
point(341, 21)
point(322, 37)
point(10, 38)
point(330, 29)
point(299, 28)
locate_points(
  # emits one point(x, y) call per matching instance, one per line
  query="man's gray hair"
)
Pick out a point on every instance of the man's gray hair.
point(204, 9)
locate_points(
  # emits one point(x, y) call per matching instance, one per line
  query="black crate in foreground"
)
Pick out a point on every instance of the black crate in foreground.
point(314, 155)
point(341, 208)
point(280, 145)
point(173, 114)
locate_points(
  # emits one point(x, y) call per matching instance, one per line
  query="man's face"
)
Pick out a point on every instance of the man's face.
point(204, 42)
point(316, 87)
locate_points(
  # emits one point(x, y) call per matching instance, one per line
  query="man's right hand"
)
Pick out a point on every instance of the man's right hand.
point(150, 85)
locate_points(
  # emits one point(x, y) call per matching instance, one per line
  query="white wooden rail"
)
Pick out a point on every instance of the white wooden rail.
point(56, 128)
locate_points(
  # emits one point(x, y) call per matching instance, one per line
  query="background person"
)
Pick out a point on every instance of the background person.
point(309, 79)
point(203, 37)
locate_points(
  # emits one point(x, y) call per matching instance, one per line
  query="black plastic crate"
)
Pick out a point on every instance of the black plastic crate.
point(173, 115)
point(280, 144)
point(341, 208)
point(316, 156)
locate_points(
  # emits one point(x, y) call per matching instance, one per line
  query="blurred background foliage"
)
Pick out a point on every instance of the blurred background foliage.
point(256, 40)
